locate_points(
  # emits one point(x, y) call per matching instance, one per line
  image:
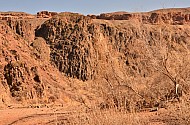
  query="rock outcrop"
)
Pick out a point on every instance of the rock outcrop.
point(46, 14)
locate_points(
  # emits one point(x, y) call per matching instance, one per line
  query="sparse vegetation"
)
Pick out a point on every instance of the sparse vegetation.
point(70, 69)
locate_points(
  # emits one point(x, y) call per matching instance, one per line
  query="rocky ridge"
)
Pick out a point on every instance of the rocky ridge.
point(167, 16)
point(15, 15)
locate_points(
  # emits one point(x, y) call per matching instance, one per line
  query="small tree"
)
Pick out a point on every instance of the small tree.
point(169, 58)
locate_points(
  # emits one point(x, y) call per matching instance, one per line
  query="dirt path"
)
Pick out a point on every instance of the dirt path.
point(50, 116)
point(32, 116)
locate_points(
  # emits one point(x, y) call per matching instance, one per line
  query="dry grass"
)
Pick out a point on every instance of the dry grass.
point(176, 114)
point(102, 117)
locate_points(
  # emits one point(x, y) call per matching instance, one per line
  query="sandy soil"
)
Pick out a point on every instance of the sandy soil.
point(44, 116)
point(33, 116)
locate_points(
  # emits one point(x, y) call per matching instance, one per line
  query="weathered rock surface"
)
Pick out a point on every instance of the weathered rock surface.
point(121, 58)
point(70, 44)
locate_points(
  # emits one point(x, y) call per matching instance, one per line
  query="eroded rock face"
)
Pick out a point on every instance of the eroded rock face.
point(14, 77)
point(74, 41)
point(22, 28)
point(18, 75)
point(70, 44)
point(114, 51)
point(122, 55)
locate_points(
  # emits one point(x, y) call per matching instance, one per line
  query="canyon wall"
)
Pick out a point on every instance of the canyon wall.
point(135, 58)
